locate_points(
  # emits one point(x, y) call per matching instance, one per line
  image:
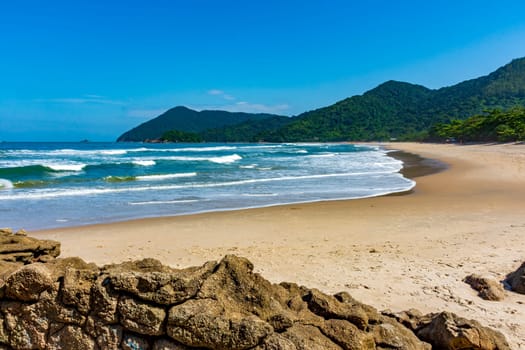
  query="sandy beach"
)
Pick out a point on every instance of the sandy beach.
point(393, 252)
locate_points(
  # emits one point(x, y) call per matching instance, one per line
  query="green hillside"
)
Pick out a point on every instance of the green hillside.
point(187, 120)
point(374, 115)
point(405, 111)
point(249, 131)
point(391, 110)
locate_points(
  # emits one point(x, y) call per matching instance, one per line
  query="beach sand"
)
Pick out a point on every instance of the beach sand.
point(393, 252)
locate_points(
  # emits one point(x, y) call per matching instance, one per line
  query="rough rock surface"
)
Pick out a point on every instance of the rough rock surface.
point(487, 288)
point(516, 280)
point(448, 331)
point(26, 283)
point(69, 304)
point(19, 248)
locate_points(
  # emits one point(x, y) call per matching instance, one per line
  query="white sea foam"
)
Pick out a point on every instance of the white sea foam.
point(184, 149)
point(204, 149)
point(114, 152)
point(83, 153)
point(60, 174)
point(63, 152)
point(5, 184)
point(176, 201)
point(259, 194)
point(261, 146)
point(164, 176)
point(65, 167)
point(304, 144)
point(219, 160)
point(322, 155)
point(16, 163)
point(251, 166)
point(54, 193)
point(225, 159)
point(144, 162)
point(52, 164)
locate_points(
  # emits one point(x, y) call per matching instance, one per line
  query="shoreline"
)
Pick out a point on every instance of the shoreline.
point(393, 252)
point(413, 166)
point(204, 192)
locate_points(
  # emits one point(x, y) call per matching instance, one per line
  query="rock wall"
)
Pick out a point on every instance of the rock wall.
point(69, 304)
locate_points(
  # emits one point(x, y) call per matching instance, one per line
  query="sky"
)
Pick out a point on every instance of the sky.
point(90, 69)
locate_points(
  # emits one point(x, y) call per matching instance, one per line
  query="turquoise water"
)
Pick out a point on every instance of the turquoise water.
point(47, 185)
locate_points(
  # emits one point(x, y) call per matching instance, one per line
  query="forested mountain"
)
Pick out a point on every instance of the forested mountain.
point(405, 111)
point(187, 120)
point(391, 110)
point(250, 131)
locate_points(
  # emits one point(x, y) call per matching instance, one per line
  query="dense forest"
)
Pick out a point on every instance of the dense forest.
point(187, 120)
point(492, 126)
point(181, 136)
point(392, 110)
point(406, 111)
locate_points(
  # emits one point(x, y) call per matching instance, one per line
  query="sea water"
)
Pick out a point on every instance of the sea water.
point(48, 185)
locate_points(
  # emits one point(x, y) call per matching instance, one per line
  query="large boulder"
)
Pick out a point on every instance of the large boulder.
point(234, 284)
point(26, 283)
point(516, 279)
point(329, 307)
point(206, 323)
point(165, 288)
point(449, 331)
point(389, 334)
point(487, 288)
point(19, 248)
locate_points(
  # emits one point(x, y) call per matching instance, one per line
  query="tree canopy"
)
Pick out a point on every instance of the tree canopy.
point(492, 126)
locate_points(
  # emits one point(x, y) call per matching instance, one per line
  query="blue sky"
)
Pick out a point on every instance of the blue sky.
point(72, 70)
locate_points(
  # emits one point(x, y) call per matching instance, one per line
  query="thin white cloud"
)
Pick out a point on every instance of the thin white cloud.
point(260, 108)
point(82, 100)
point(221, 93)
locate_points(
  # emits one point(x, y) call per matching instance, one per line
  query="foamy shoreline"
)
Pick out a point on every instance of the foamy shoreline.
point(183, 180)
point(392, 252)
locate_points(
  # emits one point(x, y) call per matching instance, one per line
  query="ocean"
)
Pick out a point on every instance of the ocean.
point(50, 185)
